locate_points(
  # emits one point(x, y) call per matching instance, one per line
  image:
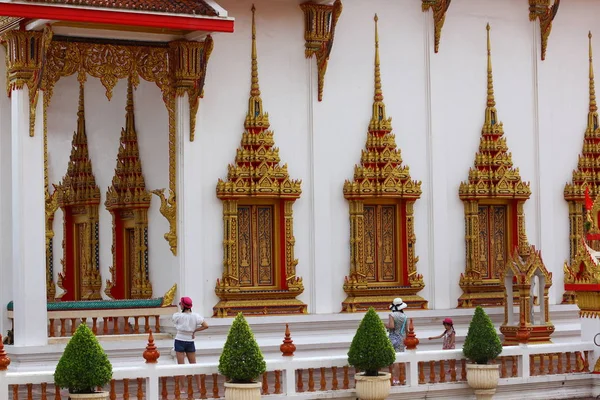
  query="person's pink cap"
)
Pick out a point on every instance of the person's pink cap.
point(448, 321)
point(186, 302)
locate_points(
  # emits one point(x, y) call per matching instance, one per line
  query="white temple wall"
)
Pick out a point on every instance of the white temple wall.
point(437, 102)
point(5, 201)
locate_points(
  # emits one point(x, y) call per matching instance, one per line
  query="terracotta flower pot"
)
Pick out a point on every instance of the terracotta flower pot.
point(373, 387)
point(92, 396)
point(242, 391)
point(483, 379)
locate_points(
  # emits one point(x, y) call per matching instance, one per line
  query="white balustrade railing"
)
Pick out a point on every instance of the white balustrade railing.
point(412, 362)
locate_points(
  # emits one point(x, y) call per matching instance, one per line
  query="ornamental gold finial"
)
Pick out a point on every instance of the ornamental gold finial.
point(491, 101)
point(129, 116)
point(81, 110)
point(379, 122)
point(490, 110)
point(593, 113)
point(255, 118)
point(255, 89)
point(378, 91)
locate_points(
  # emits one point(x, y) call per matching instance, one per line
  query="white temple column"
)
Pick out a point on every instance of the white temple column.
point(189, 235)
point(440, 275)
point(5, 202)
point(28, 233)
point(322, 280)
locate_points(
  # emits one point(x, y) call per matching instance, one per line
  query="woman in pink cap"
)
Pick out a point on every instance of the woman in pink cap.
point(187, 324)
point(448, 335)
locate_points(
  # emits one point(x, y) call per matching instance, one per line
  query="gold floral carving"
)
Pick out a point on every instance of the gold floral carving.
point(25, 60)
point(169, 296)
point(79, 196)
point(492, 180)
point(128, 200)
point(51, 205)
point(541, 9)
point(258, 178)
point(439, 8)
point(520, 272)
point(167, 67)
point(320, 21)
point(190, 76)
point(381, 175)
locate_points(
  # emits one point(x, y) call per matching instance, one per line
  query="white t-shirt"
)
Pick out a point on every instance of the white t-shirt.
point(186, 324)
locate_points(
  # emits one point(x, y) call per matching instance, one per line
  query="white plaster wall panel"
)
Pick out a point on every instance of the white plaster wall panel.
point(103, 139)
point(5, 201)
point(284, 88)
point(564, 105)
point(342, 119)
point(459, 81)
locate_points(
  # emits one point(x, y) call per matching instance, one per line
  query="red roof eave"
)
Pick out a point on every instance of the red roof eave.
point(124, 18)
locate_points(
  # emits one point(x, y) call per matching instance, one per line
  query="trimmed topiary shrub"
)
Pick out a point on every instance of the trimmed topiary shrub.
point(371, 348)
point(84, 366)
point(482, 343)
point(241, 360)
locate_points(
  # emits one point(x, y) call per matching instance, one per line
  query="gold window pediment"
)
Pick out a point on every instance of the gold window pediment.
point(381, 198)
point(259, 268)
point(493, 199)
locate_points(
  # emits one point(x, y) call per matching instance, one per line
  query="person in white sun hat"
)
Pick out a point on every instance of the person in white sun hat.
point(396, 324)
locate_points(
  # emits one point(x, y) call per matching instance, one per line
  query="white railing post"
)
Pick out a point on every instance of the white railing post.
point(290, 381)
point(524, 361)
point(413, 370)
point(3, 385)
point(152, 383)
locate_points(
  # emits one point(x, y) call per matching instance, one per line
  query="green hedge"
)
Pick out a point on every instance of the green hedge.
point(241, 360)
point(482, 343)
point(371, 348)
point(84, 366)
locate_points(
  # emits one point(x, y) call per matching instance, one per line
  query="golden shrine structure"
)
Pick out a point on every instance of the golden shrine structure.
point(521, 278)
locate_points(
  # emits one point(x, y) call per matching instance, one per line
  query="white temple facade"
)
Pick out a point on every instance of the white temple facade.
point(437, 102)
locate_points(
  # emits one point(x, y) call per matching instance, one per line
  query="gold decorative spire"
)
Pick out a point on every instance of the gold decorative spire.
point(493, 174)
point(129, 115)
point(128, 185)
point(79, 184)
point(490, 110)
point(255, 117)
point(257, 170)
point(379, 122)
point(593, 114)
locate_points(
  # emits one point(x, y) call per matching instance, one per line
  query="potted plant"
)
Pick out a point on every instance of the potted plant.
point(241, 362)
point(482, 345)
point(370, 351)
point(83, 367)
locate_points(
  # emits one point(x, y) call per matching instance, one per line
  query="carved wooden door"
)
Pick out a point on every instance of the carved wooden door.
point(129, 270)
point(380, 243)
point(256, 249)
point(79, 258)
point(493, 239)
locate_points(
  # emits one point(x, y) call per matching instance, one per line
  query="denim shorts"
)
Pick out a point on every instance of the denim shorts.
point(184, 347)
